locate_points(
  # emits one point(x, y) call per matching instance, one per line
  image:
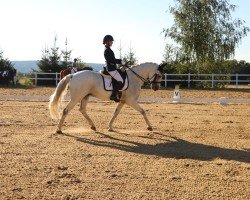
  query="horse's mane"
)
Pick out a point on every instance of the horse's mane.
point(87, 68)
point(134, 66)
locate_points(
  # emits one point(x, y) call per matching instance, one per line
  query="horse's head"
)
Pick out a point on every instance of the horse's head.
point(155, 77)
point(151, 73)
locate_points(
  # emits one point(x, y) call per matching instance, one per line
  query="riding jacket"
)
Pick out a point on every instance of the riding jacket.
point(111, 61)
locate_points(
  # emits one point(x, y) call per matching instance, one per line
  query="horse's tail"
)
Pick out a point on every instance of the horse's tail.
point(56, 98)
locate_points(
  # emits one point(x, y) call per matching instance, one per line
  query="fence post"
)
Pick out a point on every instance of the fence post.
point(212, 80)
point(237, 79)
point(189, 80)
point(56, 78)
point(165, 80)
point(35, 79)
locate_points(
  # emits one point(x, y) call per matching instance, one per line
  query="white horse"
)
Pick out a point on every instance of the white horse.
point(88, 83)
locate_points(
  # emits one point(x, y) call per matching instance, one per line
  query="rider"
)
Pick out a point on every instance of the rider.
point(111, 67)
point(74, 67)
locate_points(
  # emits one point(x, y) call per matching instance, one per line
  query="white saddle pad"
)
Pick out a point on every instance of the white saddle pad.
point(107, 83)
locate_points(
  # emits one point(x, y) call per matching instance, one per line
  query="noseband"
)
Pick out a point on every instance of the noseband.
point(155, 77)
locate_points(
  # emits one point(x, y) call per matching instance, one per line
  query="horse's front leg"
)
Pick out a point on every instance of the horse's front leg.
point(116, 112)
point(137, 107)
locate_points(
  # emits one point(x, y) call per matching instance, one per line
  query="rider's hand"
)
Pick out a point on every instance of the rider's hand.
point(122, 68)
point(124, 62)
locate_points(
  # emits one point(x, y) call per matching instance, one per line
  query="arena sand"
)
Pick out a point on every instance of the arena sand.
point(196, 151)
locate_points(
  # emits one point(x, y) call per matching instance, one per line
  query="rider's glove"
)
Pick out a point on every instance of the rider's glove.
point(123, 62)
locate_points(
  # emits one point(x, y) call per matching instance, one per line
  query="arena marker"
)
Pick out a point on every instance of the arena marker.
point(177, 95)
point(223, 100)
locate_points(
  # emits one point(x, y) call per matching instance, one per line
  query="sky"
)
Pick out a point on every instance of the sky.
point(28, 26)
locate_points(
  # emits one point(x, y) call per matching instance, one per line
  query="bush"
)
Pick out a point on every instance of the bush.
point(208, 67)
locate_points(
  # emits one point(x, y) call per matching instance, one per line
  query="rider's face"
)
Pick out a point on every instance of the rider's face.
point(109, 43)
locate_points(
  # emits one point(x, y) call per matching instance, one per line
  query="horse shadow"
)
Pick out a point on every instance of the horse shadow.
point(171, 147)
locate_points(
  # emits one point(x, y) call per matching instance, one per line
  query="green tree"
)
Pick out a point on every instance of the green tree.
point(120, 48)
point(55, 57)
point(175, 61)
point(170, 54)
point(130, 57)
point(66, 55)
point(81, 64)
point(44, 63)
point(205, 30)
point(240, 67)
point(5, 63)
point(50, 61)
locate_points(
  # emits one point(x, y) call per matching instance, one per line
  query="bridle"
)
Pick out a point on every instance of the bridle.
point(151, 80)
point(155, 77)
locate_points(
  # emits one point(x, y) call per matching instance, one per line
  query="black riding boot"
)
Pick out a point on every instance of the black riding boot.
point(116, 87)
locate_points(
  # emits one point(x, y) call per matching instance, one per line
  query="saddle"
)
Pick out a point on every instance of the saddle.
point(107, 80)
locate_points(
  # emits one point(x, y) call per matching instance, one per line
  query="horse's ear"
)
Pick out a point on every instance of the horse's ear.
point(160, 68)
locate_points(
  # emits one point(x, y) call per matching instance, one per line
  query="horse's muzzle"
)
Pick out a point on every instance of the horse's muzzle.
point(155, 87)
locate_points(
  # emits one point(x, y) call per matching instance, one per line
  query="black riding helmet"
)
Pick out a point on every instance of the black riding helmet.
point(107, 38)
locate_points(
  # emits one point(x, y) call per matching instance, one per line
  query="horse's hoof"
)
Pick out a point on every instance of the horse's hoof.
point(59, 132)
point(150, 128)
point(110, 130)
point(93, 128)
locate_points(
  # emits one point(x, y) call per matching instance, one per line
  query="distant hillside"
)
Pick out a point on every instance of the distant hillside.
point(25, 66)
point(30, 65)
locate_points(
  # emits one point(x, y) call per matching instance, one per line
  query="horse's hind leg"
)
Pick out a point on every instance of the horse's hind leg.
point(137, 107)
point(82, 109)
point(117, 111)
point(66, 110)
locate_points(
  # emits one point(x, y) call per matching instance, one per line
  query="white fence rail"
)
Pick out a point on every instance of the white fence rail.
point(210, 78)
point(188, 78)
point(36, 77)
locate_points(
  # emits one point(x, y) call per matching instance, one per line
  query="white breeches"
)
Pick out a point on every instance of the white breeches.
point(116, 75)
